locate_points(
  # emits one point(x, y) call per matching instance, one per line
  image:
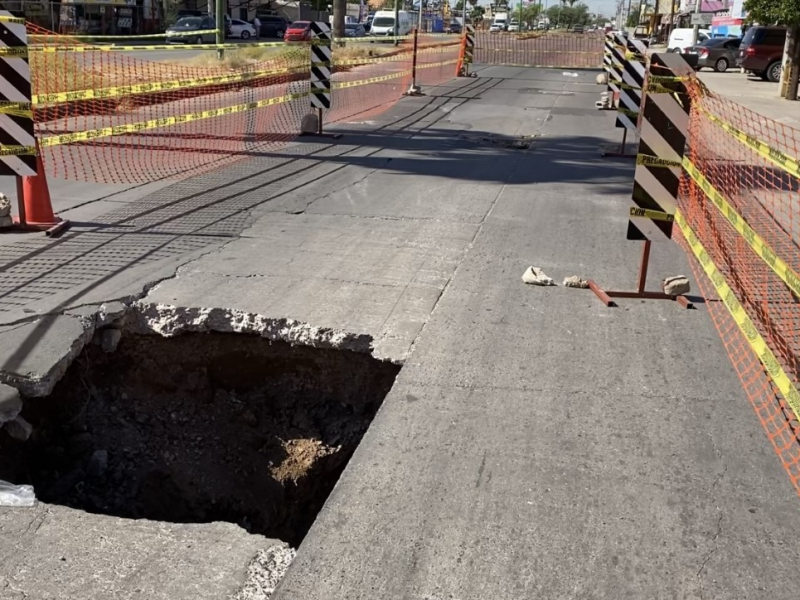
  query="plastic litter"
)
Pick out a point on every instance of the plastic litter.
point(569, 74)
point(16, 495)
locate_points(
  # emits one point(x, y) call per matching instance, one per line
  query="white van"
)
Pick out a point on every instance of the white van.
point(682, 38)
point(383, 23)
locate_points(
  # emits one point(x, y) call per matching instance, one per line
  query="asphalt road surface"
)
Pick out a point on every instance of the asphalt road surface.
point(536, 444)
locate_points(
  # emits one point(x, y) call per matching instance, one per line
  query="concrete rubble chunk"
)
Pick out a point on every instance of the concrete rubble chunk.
point(264, 572)
point(575, 282)
point(10, 403)
point(535, 276)
point(602, 79)
point(309, 123)
point(19, 429)
point(677, 285)
point(5, 205)
point(110, 340)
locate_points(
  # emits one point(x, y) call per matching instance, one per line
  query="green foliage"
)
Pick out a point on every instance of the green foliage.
point(784, 12)
point(633, 20)
point(567, 16)
point(477, 12)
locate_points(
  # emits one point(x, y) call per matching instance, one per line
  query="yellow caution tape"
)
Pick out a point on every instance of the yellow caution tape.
point(178, 47)
point(654, 215)
point(7, 19)
point(755, 241)
point(780, 159)
point(627, 86)
point(665, 79)
point(18, 109)
point(757, 343)
point(58, 37)
point(654, 161)
point(394, 58)
point(625, 111)
point(635, 56)
point(14, 51)
point(656, 88)
point(536, 52)
point(148, 88)
point(17, 150)
point(85, 136)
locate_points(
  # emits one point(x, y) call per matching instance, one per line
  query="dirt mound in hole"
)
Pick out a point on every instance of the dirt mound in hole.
point(198, 428)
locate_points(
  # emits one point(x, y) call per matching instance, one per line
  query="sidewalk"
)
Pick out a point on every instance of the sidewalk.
point(535, 442)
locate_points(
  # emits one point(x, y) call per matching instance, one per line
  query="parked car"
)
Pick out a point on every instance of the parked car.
point(299, 31)
point(716, 53)
point(180, 32)
point(761, 52)
point(496, 27)
point(355, 30)
point(454, 27)
point(242, 29)
point(682, 38)
point(273, 26)
point(514, 27)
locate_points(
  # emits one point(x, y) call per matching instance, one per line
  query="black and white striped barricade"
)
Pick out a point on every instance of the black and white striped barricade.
point(320, 79)
point(467, 52)
point(19, 154)
point(613, 58)
point(632, 72)
point(664, 127)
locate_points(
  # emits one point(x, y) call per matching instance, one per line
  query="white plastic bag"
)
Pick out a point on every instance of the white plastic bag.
point(16, 495)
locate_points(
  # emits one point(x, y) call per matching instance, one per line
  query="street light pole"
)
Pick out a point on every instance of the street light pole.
point(696, 28)
point(219, 20)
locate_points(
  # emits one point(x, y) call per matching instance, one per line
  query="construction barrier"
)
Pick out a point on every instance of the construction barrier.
point(540, 49)
point(737, 174)
point(142, 113)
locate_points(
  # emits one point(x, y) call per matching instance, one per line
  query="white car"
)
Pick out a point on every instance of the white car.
point(513, 27)
point(242, 29)
point(496, 27)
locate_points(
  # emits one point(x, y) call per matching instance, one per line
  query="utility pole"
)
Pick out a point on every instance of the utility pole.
point(339, 10)
point(696, 28)
point(396, 28)
point(219, 21)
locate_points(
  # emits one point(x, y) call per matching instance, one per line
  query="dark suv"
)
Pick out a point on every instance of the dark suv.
point(761, 52)
point(273, 26)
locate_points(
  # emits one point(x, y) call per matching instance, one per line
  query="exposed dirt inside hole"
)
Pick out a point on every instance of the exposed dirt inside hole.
point(199, 428)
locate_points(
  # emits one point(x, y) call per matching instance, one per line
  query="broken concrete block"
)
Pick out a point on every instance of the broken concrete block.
point(675, 286)
point(6, 222)
point(309, 123)
point(535, 276)
point(602, 79)
point(110, 340)
point(10, 403)
point(19, 429)
point(576, 282)
point(5, 205)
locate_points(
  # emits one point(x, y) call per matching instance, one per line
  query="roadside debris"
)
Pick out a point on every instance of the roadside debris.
point(575, 282)
point(16, 495)
point(602, 79)
point(569, 74)
point(265, 572)
point(676, 285)
point(535, 276)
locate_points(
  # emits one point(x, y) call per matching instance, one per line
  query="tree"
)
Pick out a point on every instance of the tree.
point(477, 12)
point(782, 12)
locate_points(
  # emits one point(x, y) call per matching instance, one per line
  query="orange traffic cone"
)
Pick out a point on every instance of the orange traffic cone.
point(35, 207)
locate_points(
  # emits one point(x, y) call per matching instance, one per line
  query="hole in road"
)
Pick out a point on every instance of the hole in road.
point(200, 428)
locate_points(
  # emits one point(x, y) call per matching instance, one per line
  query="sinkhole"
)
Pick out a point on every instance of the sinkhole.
point(200, 428)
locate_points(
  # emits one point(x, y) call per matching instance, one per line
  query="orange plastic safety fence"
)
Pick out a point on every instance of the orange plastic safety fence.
point(133, 115)
point(540, 49)
point(746, 171)
point(365, 85)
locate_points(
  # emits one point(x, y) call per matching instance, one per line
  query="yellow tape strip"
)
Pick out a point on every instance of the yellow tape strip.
point(177, 47)
point(755, 241)
point(665, 79)
point(654, 215)
point(754, 339)
point(654, 161)
point(17, 109)
point(17, 150)
point(536, 52)
point(7, 19)
point(84, 136)
point(15, 51)
point(147, 88)
point(58, 37)
point(631, 113)
point(783, 161)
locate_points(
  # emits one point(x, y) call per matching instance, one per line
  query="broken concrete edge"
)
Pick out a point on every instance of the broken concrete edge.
point(144, 318)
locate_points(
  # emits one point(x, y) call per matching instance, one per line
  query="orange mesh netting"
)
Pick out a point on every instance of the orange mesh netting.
point(141, 114)
point(746, 165)
point(540, 49)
